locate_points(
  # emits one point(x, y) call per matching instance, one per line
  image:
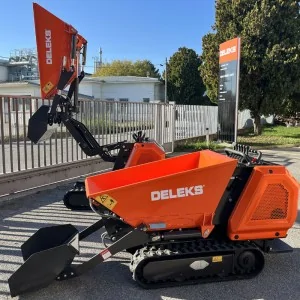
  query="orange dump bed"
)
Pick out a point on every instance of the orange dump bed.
point(178, 192)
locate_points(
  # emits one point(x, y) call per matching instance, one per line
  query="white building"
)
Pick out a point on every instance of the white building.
point(112, 88)
point(123, 88)
point(3, 70)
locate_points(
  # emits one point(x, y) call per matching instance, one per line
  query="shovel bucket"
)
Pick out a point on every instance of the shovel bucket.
point(38, 129)
point(46, 254)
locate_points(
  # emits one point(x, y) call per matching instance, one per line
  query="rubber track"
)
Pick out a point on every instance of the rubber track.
point(78, 191)
point(199, 248)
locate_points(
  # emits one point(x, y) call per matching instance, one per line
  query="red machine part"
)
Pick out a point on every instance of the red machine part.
point(54, 45)
point(267, 208)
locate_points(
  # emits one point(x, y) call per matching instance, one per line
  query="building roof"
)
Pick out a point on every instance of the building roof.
point(36, 83)
point(3, 62)
point(16, 83)
point(122, 79)
point(102, 79)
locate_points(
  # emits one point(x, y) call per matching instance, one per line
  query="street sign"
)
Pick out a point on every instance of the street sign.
point(228, 90)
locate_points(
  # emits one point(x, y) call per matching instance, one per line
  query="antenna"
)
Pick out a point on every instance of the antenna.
point(100, 52)
point(98, 61)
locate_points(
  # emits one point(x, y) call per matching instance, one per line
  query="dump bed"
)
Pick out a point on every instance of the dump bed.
point(182, 191)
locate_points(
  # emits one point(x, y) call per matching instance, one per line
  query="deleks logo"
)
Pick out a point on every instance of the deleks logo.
point(228, 51)
point(177, 193)
point(48, 44)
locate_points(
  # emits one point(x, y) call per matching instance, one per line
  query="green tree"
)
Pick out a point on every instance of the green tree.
point(141, 68)
point(270, 52)
point(291, 106)
point(145, 67)
point(185, 85)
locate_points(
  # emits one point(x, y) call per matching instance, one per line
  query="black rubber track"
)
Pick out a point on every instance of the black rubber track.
point(196, 249)
point(75, 198)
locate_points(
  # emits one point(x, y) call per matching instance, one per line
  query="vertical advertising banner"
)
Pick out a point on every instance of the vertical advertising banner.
point(228, 90)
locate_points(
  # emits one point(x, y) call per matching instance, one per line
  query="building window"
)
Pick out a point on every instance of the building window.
point(146, 100)
point(123, 99)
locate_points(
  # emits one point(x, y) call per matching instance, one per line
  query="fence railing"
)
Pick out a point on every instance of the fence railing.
point(108, 121)
point(194, 121)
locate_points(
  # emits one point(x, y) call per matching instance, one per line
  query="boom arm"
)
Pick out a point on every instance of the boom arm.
point(60, 49)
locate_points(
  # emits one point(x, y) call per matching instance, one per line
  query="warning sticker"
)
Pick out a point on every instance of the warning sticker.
point(217, 259)
point(105, 254)
point(107, 201)
point(48, 87)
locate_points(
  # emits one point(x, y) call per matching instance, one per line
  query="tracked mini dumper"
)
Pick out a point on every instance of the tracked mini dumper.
point(195, 218)
point(199, 217)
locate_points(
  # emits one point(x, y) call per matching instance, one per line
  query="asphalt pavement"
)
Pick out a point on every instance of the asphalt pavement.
point(280, 278)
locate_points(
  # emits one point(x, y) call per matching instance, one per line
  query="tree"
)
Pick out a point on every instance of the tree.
point(185, 85)
point(144, 67)
point(270, 52)
point(291, 106)
point(141, 68)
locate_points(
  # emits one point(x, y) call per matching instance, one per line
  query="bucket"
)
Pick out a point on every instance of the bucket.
point(46, 254)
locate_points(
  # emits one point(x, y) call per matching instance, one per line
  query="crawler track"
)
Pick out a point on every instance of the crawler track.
point(75, 198)
point(193, 262)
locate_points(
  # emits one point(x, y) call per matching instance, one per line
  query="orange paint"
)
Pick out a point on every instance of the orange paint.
point(229, 50)
point(267, 208)
point(144, 153)
point(180, 192)
point(53, 39)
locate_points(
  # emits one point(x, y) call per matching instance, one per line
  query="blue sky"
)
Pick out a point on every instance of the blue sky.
point(125, 29)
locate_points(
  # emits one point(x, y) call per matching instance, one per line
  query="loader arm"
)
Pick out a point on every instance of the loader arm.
point(61, 55)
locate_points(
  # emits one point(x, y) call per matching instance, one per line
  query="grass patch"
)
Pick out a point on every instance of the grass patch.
point(197, 146)
point(271, 136)
point(101, 127)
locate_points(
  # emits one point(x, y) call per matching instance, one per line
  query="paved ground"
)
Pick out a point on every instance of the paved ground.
point(111, 280)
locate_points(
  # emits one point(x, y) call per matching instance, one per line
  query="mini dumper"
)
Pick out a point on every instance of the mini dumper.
point(195, 218)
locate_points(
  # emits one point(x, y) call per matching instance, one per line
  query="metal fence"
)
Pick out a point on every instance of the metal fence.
point(108, 121)
point(194, 121)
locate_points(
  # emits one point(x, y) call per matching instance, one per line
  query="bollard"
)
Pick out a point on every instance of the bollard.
point(207, 137)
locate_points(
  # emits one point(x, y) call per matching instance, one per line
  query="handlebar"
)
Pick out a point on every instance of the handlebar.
point(244, 153)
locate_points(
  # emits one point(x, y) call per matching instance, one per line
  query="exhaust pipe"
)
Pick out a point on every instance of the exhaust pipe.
point(46, 253)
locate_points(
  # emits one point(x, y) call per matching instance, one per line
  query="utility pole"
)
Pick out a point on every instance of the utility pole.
point(100, 57)
point(166, 82)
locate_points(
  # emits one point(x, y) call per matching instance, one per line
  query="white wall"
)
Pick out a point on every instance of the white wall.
point(85, 88)
point(21, 90)
point(159, 92)
point(3, 73)
point(245, 120)
point(132, 91)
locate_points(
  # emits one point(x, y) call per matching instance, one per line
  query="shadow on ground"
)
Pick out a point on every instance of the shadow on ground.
point(281, 159)
point(112, 279)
